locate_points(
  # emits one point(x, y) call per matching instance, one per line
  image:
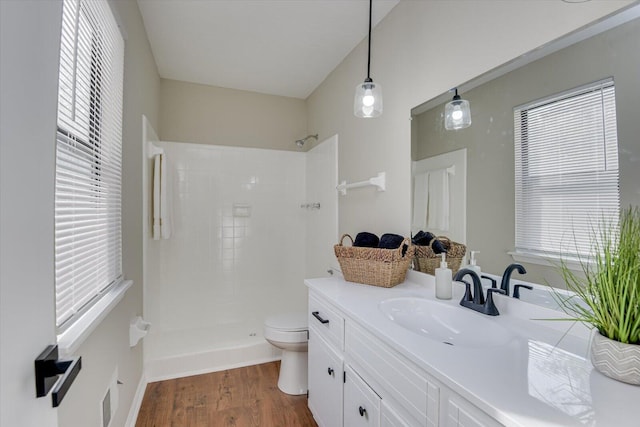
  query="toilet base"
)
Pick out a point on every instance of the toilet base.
point(293, 372)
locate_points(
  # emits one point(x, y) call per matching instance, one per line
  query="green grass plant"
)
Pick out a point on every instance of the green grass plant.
point(608, 291)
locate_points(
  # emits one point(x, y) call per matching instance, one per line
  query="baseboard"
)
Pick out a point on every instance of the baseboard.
point(137, 402)
point(210, 361)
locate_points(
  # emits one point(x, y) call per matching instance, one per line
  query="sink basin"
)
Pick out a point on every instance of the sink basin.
point(449, 324)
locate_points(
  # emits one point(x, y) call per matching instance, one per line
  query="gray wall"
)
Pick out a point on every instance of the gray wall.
point(489, 140)
point(203, 114)
point(419, 50)
point(108, 346)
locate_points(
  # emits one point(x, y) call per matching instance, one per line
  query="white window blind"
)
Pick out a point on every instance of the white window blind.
point(88, 242)
point(566, 166)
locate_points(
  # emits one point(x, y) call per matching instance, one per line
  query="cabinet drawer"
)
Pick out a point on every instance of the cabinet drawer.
point(327, 322)
point(361, 403)
point(392, 375)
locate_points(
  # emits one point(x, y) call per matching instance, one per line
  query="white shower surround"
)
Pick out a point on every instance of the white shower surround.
point(210, 286)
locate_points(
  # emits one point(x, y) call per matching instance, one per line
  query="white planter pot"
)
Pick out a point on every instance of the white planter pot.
point(615, 359)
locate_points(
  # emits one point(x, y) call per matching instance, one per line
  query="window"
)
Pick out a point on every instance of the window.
point(88, 241)
point(566, 162)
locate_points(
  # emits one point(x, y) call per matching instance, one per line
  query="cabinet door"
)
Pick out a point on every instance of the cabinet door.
point(394, 376)
point(461, 413)
point(325, 382)
point(389, 417)
point(361, 403)
point(433, 404)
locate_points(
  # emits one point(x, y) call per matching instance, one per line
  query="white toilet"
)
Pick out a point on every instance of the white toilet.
point(290, 332)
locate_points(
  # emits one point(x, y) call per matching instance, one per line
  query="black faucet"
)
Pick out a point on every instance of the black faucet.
point(506, 276)
point(478, 294)
point(516, 289)
point(476, 300)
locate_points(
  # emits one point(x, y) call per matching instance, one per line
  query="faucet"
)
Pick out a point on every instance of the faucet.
point(478, 294)
point(506, 277)
point(476, 301)
point(516, 289)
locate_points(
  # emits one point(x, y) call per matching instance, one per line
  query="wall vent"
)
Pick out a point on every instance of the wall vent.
point(109, 403)
point(106, 409)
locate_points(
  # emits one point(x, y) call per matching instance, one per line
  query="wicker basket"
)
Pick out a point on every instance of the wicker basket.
point(374, 266)
point(426, 260)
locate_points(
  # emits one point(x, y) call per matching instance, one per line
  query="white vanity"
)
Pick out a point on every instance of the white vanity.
point(366, 369)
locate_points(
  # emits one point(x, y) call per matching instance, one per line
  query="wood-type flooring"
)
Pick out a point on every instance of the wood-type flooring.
point(243, 397)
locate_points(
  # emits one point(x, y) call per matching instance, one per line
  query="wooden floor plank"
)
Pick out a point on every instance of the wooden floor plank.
point(243, 397)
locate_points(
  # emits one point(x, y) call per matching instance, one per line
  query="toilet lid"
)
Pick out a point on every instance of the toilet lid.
point(287, 321)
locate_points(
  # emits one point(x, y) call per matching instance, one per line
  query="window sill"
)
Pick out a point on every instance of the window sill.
point(546, 260)
point(70, 340)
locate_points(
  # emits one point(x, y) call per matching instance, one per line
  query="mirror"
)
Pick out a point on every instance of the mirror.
point(607, 48)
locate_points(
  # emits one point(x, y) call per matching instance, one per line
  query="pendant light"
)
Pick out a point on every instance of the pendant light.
point(457, 113)
point(368, 99)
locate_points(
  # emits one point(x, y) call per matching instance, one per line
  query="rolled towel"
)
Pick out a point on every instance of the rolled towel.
point(425, 239)
point(390, 241)
point(366, 240)
point(438, 247)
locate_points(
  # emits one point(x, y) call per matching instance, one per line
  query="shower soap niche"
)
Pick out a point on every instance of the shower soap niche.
point(242, 210)
point(137, 330)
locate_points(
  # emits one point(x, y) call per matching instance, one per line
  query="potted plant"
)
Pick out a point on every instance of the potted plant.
point(608, 297)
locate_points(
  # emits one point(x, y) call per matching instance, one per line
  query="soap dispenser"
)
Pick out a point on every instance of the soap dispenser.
point(443, 280)
point(473, 263)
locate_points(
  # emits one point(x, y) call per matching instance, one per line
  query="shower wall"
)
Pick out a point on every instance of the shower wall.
point(322, 224)
point(237, 252)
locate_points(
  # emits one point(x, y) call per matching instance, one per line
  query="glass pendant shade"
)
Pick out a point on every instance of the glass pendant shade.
point(457, 114)
point(368, 99)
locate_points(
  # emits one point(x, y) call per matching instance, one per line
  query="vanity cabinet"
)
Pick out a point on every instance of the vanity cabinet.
point(405, 387)
point(327, 321)
point(460, 413)
point(325, 376)
point(361, 403)
point(326, 363)
point(356, 379)
point(390, 418)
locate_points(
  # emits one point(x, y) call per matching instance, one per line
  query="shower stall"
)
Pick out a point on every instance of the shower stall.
point(243, 240)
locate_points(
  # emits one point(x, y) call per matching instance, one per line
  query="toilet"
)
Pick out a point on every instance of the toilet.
point(290, 332)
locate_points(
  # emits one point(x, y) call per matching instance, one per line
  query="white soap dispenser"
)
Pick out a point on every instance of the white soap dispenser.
point(443, 280)
point(473, 263)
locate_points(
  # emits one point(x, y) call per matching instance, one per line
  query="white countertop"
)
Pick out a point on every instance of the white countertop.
point(541, 377)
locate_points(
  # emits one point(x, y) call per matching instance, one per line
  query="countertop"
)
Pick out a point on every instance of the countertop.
point(541, 377)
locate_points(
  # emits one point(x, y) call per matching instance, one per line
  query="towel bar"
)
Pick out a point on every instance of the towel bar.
point(152, 150)
point(376, 181)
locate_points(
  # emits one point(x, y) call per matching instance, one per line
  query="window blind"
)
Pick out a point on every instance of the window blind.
point(88, 243)
point(566, 167)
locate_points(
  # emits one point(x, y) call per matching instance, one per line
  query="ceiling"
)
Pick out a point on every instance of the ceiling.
point(278, 47)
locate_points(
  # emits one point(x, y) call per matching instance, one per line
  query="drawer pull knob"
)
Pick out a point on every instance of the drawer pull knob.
point(330, 371)
point(362, 411)
point(316, 314)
